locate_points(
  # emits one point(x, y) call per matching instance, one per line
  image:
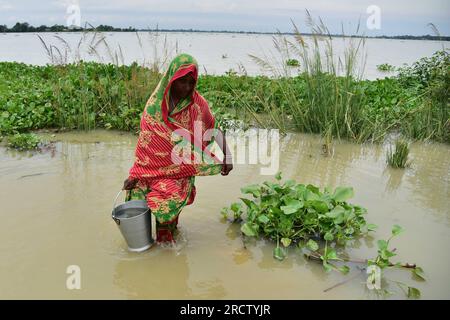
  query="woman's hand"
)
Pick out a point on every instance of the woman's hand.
point(129, 184)
point(227, 166)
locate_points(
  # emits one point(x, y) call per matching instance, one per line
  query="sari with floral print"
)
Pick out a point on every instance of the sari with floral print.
point(172, 149)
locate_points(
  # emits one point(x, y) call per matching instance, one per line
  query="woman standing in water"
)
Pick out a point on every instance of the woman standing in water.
point(173, 147)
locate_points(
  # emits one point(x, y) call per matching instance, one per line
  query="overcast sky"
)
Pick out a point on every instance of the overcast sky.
point(397, 17)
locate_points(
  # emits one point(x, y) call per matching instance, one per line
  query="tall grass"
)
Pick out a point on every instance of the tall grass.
point(105, 94)
point(398, 158)
point(330, 98)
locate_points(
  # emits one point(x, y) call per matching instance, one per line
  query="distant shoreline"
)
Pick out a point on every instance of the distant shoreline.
point(26, 28)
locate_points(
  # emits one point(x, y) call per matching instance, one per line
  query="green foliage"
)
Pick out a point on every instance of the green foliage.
point(399, 157)
point(382, 261)
point(386, 67)
point(24, 141)
point(320, 222)
point(292, 63)
point(88, 95)
point(291, 213)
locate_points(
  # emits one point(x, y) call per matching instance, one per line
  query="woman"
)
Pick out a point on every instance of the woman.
point(173, 147)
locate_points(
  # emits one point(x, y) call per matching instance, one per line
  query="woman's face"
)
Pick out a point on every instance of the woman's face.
point(183, 87)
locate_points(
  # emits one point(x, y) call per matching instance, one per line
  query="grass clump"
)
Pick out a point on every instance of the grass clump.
point(398, 158)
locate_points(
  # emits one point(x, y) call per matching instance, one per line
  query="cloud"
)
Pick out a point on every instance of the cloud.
point(397, 16)
point(5, 6)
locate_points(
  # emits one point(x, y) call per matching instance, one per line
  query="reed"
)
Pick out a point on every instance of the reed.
point(398, 158)
point(329, 97)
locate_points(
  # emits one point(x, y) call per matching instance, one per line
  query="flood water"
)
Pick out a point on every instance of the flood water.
point(216, 53)
point(56, 212)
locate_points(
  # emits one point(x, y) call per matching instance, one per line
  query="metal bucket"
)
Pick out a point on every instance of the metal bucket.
point(135, 223)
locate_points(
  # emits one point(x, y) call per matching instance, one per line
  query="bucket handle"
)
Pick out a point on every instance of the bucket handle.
point(114, 206)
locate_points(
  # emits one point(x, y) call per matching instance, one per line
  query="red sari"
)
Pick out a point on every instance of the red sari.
point(171, 150)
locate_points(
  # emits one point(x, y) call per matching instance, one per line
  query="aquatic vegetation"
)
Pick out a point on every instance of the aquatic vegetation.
point(292, 63)
point(319, 223)
point(398, 158)
point(293, 213)
point(385, 67)
point(430, 77)
point(24, 141)
point(382, 261)
point(92, 95)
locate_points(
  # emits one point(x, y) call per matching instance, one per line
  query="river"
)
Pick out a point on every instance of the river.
point(56, 212)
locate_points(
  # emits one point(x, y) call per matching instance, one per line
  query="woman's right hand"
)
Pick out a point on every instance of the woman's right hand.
point(129, 184)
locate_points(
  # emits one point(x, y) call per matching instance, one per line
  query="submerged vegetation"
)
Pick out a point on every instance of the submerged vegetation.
point(320, 224)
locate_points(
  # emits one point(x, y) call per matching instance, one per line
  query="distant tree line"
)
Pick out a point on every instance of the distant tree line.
point(26, 27)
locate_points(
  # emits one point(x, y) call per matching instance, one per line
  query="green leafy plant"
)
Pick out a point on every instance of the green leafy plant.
point(382, 261)
point(292, 214)
point(24, 141)
point(289, 213)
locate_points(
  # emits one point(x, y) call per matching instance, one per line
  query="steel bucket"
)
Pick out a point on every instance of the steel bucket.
point(135, 223)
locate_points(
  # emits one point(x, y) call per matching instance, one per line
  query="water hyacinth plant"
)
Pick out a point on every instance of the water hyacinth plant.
point(24, 141)
point(293, 214)
point(290, 213)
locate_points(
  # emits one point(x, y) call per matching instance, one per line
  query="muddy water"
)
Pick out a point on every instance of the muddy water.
point(56, 206)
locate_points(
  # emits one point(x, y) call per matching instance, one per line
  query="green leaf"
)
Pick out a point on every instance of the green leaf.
point(344, 269)
point(235, 207)
point(312, 245)
point(278, 175)
point(328, 236)
point(279, 253)
point(253, 189)
point(413, 293)
point(386, 254)
point(396, 230)
point(371, 227)
point(343, 193)
point(249, 203)
point(382, 244)
point(224, 211)
point(263, 218)
point(286, 242)
point(320, 206)
point(349, 230)
point(313, 189)
point(418, 272)
point(309, 195)
point(331, 254)
point(292, 206)
point(248, 230)
point(327, 267)
point(335, 212)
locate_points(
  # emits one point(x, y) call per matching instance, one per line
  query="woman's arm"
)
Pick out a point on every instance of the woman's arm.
point(227, 158)
point(130, 183)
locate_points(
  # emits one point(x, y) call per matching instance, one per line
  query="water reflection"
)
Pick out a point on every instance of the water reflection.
point(394, 180)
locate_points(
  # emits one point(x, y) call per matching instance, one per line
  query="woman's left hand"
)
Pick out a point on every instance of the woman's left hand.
point(226, 168)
